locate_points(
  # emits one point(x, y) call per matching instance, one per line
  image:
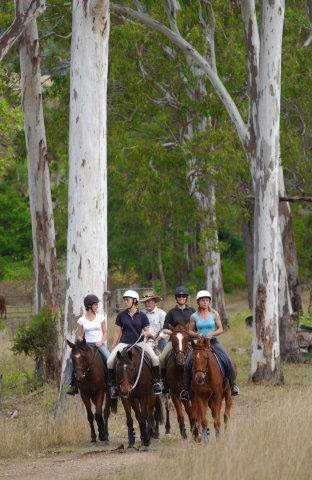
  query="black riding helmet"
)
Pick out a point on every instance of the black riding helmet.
point(181, 291)
point(89, 300)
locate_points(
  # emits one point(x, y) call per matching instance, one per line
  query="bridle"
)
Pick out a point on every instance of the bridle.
point(89, 366)
point(204, 372)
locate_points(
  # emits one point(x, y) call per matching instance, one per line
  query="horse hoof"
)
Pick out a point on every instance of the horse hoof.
point(144, 448)
point(130, 449)
point(104, 442)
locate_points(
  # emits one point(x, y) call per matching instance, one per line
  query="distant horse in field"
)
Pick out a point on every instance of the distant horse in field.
point(92, 383)
point(3, 310)
point(209, 387)
point(175, 368)
point(134, 381)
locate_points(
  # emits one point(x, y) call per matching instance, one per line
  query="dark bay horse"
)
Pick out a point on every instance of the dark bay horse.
point(175, 368)
point(2, 307)
point(92, 382)
point(209, 387)
point(134, 381)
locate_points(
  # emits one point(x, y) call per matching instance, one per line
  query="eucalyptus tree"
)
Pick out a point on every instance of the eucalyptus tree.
point(260, 140)
point(87, 185)
point(43, 231)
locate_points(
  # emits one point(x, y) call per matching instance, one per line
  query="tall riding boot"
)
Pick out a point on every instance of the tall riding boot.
point(187, 377)
point(165, 388)
point(155, 378)
point(111, 382)
point(73, 389)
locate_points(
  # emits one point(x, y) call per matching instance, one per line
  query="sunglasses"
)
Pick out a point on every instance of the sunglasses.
point(181, 296)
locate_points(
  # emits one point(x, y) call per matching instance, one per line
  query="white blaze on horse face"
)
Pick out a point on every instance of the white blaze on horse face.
point(77, 355)
point(180, 337)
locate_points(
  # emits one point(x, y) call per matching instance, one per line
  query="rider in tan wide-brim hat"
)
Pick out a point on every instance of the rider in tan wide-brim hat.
point(150, 296)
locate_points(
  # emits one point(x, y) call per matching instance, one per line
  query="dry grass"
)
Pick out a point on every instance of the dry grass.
point(269, 435)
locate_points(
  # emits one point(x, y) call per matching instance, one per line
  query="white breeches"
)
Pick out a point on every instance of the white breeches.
point(147, 348)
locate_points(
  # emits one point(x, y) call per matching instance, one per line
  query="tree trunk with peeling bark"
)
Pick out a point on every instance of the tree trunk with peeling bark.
point(43, 233)
point(265, 164)
point(87, 195)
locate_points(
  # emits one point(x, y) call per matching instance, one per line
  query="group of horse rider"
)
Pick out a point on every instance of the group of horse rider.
point(136, 326)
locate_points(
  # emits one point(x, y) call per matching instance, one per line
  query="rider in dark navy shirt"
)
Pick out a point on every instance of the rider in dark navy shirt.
point(131, 327)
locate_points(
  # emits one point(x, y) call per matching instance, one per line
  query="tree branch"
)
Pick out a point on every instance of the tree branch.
point(22, 19)
point(191, 52)
point(285, 199)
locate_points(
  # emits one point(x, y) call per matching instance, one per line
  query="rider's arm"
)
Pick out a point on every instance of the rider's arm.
point(219, 328)
point(117, 335)
point(79, 332)
point(192, 331)
point(104, 334)
point(146, 331)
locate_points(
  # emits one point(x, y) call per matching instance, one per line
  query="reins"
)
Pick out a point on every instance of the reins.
point(141, 363)
point(88, 369)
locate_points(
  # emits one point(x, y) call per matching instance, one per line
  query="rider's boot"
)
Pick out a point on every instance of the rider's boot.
point(73, 386)
point(234, 390)
point(156, 384)
point(165, 388)
point(111, 382)
point(185, 393)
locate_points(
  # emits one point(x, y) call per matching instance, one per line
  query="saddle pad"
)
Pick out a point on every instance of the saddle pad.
point(221, 366)
point(146, 359)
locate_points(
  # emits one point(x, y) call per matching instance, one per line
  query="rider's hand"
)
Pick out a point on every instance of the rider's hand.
point(98, 344)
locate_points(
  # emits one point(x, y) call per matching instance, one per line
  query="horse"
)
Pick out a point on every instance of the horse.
point(91, 376)
point(2, 307)
point(134, 381)
point(175, 367)
point(209, 387)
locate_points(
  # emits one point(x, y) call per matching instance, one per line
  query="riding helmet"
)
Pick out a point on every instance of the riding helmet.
point(131, 294)
point(181, 291)
point(89, 300)
point(203, 294)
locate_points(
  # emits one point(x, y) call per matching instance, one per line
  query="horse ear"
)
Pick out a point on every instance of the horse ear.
point(119, 356)
point(193, 343)
point(70, 343)
point(170, 327)
point(130, 356)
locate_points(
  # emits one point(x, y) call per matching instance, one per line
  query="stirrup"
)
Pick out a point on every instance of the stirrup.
point(113, 391)
point(73, 390)
point(157, 388)
point(185, 395)
point(234, 390)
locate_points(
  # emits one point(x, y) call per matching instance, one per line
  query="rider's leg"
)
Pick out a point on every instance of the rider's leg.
point(163, 369)
point(111, 381)
point(73, 389)
point(155, 368)
point(187, 376)
point(230, 371)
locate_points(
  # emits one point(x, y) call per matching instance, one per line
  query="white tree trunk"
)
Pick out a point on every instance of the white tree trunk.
point(265, 345)
point(43, 233)
point(87, 195)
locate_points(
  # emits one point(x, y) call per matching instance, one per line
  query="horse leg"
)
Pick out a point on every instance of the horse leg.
point(216, 404)
point(99, 417)
point(178, 406)
point(204, 420)
point(131, 434)
point(195, 418)
point(167, 424)
point(106, 414)
point(140, 410)
point(189, 412)
point(228, 406)
point(87, 404)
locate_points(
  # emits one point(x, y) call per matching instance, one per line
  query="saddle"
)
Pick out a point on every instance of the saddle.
point(146, 359)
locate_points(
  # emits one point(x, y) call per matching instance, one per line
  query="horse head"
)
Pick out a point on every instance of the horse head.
point(179, 339)
point(81, 356)
point(200, 359)
point(125, 373)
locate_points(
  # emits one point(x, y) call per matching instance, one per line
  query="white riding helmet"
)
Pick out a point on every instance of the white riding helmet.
point(131, 294)
point(203, 294)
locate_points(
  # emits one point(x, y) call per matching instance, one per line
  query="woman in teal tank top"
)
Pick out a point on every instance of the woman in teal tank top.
point(206, 322)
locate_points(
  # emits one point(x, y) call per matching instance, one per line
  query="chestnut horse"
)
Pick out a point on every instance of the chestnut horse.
point(92, 383)
point(209, 387)
point(175, 367)
point(134, 381)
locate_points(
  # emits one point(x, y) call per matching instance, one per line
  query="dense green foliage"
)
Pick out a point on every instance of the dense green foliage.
point(151, 212)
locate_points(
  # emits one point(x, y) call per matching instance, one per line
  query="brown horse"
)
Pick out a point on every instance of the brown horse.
point(92, 383)
point(175, 368)
point(209, 387)
point(2, 307)
point(134, 381)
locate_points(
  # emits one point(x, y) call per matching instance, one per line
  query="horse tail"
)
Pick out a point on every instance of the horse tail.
point(158, 412)
point(113, 405)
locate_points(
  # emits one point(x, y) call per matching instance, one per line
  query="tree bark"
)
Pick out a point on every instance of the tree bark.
point(87, 194)
point(161, 273)
point(248, 235)
point(43, 232)
point(25, 14)
point(265, 365)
